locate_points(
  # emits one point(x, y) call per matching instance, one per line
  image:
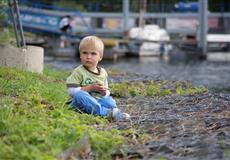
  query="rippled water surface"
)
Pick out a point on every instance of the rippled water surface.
point(210, 74)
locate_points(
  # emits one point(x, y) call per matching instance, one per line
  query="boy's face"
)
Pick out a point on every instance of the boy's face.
point(90, 58)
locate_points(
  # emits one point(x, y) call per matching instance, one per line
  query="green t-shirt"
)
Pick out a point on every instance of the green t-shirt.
point(81, 77)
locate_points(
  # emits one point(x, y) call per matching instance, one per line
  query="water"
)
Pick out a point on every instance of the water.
point(212, 74)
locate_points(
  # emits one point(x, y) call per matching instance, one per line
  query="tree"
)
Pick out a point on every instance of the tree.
point(3, 4)
point(6, 34)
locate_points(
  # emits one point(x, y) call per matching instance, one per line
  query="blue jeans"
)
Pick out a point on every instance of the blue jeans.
point(84, 102)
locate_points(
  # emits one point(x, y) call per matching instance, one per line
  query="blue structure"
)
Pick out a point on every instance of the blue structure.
point(46, 19)
point(39, 21)
point(186, 7)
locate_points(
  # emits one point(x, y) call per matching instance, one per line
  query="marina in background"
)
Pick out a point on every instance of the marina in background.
point(118, 29)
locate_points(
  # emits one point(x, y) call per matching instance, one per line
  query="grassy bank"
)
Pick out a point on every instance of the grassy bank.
point(35, 122)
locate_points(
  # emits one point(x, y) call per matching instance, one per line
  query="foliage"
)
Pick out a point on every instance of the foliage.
point(218, 6)
point(6, 34)
point(116, 5)
point(155, 88)
point(35, 122)
point(3, 4)
point(187, 88)
point(69, 5)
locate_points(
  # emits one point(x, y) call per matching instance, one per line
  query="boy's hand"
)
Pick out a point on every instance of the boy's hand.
point(96, 87)
point(99, 88)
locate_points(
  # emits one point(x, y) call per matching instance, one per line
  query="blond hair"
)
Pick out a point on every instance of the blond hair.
point(92, 43)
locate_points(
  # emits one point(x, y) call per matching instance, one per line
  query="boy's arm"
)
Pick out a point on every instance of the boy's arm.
point(107, 93)
point(107, 85)
point(73, 90)
point(93, 87)
point(73, 82)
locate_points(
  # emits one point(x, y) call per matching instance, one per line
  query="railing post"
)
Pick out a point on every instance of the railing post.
point(10, 3)
point(143, 5)
point(17, 23)
point(203, 25)
point(125, 6)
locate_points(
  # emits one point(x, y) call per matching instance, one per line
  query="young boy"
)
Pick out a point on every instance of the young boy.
point(88, 84)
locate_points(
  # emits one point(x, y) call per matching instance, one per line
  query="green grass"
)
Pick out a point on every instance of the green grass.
point(155, 88)
point(35, 122)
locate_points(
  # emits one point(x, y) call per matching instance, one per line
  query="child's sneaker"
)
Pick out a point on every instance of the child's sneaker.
point(118, 115)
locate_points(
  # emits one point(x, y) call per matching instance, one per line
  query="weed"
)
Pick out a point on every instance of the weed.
point(152, 88)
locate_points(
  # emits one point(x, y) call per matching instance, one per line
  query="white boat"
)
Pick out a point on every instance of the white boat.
point(218, 38)
point(150, 40)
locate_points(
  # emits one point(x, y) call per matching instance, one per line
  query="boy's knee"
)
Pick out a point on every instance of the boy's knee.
point(108, 98)
point(81, 94)
point(109, 101)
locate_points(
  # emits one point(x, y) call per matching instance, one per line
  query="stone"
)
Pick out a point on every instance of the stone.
point(30, 58)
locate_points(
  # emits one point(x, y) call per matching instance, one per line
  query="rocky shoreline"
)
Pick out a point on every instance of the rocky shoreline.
point(177, 127)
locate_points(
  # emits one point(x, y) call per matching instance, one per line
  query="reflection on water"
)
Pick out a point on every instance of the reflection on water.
point(208, 73)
